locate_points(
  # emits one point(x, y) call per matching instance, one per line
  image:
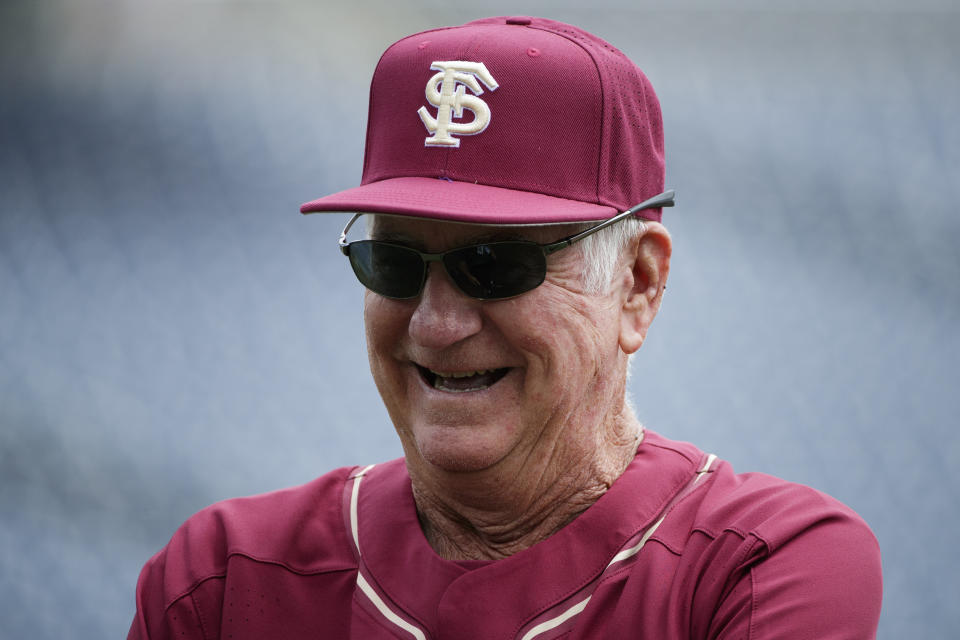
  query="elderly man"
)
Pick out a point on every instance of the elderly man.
point(515, 260)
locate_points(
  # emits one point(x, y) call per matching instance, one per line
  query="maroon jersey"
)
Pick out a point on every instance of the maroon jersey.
point(680, 547)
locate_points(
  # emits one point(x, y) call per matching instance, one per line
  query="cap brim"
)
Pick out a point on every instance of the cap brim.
point(459, 202)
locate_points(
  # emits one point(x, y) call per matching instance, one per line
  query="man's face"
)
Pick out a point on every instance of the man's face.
point(470, 384)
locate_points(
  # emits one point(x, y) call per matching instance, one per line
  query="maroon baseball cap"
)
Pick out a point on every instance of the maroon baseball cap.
point(507, 121)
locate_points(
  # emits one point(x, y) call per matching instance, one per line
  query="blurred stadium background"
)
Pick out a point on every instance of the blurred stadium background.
point(173, 332)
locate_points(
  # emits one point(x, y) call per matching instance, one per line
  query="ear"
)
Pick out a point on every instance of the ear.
point(650, 256)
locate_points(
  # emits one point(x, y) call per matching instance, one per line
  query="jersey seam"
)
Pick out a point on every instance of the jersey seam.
point(675, 506)
point(666, 545)
point(572, 37)
point(713, 535)
point(199, 612)
point(302, 572)
point(692, 461)
point(189, 591)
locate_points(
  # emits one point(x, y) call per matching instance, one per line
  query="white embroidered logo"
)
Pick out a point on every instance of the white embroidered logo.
point(446, 90)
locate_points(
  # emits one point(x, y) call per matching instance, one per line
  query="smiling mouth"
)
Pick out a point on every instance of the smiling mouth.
point(462, 381)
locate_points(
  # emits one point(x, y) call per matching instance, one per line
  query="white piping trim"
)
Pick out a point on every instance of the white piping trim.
point(706, 468)
point(385, 610)
point(635, 549)
point(620, 557)
point(354, 498)
point(556, 622)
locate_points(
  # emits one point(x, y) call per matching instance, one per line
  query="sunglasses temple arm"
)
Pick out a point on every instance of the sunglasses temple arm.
point(664, 199)
point(342, 242)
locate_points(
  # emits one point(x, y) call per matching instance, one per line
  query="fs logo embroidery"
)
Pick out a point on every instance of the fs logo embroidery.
point(446, 90)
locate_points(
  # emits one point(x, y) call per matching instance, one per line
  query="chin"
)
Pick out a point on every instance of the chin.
point(459, 452)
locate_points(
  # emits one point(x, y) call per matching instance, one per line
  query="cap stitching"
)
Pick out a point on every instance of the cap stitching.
point(576, 39)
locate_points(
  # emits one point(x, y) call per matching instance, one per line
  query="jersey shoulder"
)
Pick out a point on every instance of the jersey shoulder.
point(771, 509)
point(300, 528)
point(773, 559)
point(749, 504)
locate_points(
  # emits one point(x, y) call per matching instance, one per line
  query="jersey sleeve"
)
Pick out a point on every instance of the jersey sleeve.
point(154, 619)
point(822, 581)
point(269, 539)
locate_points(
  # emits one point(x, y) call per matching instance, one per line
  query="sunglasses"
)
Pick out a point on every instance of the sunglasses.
point(485, 271)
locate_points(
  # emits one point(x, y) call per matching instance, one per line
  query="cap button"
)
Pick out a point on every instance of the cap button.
point(521, 20)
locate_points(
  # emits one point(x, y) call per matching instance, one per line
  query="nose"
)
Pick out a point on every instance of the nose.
point(444, 314)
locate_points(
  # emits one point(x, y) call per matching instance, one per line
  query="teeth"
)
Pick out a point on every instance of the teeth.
point(439, 378)
point(463, 374)
point(437, 385)
point(462, 381)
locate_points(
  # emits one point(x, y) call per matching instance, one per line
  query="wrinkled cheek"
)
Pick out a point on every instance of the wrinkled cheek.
point(394, 394)
point(380, 377)
point(581, 372)
point(384, 327)
point(385, 371)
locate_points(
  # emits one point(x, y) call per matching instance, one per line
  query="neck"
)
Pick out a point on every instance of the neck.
point(499, 511)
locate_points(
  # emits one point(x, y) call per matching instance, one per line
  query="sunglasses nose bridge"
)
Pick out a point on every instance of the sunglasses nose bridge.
point(427, 259)
point(431, 257)
point(441, 279)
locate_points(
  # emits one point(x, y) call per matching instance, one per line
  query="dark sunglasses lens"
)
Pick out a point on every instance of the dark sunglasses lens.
point(388, 269)
point(498, 269)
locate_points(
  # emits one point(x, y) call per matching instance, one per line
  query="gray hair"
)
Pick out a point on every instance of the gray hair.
point(602, 250)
